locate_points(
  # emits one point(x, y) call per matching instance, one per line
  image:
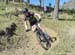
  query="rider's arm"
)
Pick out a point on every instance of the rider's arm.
point(36, 14)
point(25, 24)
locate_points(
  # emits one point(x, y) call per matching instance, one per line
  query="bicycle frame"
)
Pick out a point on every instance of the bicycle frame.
point(35, 27)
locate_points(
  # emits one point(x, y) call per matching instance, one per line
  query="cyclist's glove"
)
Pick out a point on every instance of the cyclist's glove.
point(27, 30)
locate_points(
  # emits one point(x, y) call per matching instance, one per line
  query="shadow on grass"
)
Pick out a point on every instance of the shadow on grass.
point(61, 19)
point(66, 19)
point(5, 36)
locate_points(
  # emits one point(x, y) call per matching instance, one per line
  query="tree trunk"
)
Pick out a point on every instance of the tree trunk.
point(6, 1)
point(40, 2)
point(56, 13)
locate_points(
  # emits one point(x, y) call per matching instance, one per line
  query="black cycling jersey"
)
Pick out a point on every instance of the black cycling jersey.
point(30, 17)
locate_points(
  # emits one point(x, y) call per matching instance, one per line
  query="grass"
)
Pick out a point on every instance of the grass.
point(65, 30)
point(19, 43)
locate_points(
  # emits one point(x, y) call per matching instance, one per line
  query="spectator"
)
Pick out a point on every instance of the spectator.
point(45, 9)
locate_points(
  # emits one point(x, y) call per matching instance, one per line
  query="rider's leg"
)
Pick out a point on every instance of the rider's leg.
point(40, 27)
point(25, 25)
point(33, 28)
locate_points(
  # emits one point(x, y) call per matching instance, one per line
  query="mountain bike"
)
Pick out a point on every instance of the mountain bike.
point(43, 38)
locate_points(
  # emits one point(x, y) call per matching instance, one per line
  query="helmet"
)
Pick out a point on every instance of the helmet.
point(24, 10)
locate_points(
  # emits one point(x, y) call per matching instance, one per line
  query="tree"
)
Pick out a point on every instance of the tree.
point(56, 13)
point(50, 4)
point(64, 2)
point(28, 1)
point(40, 2)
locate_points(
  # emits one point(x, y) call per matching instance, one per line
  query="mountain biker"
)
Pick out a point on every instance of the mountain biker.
point(31, 18)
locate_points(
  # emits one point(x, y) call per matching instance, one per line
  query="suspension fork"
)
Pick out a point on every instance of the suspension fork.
point(38, 32)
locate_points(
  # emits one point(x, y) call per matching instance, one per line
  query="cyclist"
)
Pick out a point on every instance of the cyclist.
point(31, 18)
